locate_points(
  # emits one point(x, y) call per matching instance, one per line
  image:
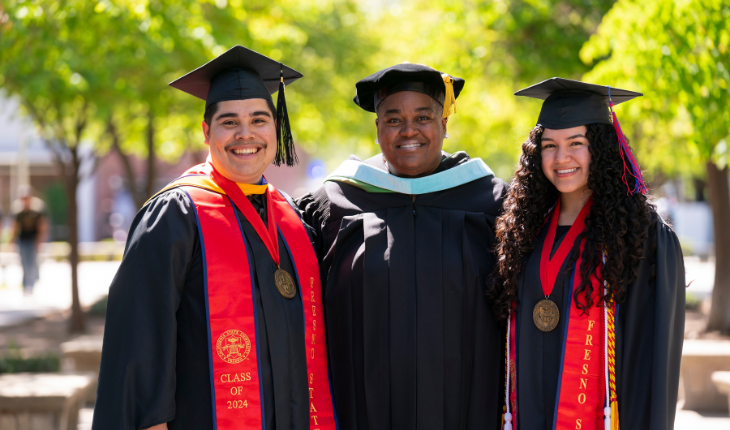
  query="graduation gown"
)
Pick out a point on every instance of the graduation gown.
point(412, 339)
point(649, 336)
point(154, 366)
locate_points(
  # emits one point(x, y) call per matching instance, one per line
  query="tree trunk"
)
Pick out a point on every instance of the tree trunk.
point(78, 322)
point(151, 173)
point(127, 164)
point(717, 181)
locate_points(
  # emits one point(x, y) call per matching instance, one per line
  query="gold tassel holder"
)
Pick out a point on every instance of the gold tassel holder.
point(449, 99)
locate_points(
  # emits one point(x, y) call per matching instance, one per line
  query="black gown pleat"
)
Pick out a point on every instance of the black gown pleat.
point(403, 302)
point(376, 320)
point(429, 321)
point(338, 321)
point(454, 307)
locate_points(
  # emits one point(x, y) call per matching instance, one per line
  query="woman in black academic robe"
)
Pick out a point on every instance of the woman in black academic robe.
point(581, 176)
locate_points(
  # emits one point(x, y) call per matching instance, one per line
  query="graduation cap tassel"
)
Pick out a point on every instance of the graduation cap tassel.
point(285, 152)
point(449, 98)
point(630, 164)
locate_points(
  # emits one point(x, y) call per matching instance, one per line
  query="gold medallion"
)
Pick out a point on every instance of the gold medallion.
point(284, 283)
point(546, 315)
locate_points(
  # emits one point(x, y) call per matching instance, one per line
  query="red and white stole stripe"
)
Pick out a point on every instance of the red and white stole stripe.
point(231, 304)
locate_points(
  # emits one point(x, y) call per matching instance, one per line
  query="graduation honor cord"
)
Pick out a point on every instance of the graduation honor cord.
point(585, 400)
point(236, 387)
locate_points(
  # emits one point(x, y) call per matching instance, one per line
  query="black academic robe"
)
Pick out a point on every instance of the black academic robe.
point(649, 336)
point(154, 366)
point(412, 339)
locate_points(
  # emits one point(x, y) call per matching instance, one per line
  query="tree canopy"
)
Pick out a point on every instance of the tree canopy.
point(676, 52)
point(118, 56)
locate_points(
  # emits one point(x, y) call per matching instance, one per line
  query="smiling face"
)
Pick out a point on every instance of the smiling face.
point(242, 139)
point(411, 133)
point(566, 159)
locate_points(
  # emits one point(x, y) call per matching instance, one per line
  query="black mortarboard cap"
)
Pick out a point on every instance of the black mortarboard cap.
point(242, 74)
point(408, 77)
point(570, 103)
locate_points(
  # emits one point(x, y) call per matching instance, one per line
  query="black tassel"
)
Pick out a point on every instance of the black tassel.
point(285, 152)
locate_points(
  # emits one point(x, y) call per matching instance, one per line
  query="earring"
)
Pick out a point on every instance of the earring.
point(377, 142)
point(446, 136)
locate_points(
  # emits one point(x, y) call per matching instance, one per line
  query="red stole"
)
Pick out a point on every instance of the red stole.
point(581, 387)
point(231, 306)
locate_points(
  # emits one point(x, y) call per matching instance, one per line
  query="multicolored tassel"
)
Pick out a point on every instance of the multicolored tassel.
point(632, 167)
point(610, 411)
point(612, 365)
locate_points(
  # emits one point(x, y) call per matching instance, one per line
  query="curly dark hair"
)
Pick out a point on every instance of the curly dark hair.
point(617, 222)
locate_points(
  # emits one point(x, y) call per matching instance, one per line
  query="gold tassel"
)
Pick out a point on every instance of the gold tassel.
point(449, 99)
point(614, 415)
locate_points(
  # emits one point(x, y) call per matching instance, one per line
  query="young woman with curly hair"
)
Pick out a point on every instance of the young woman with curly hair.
point(589, 279)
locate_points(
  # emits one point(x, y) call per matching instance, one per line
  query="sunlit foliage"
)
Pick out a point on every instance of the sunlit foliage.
point(676, 52)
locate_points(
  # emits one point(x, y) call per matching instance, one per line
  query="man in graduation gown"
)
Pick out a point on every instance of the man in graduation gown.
point(214, 318)
point(405, 239)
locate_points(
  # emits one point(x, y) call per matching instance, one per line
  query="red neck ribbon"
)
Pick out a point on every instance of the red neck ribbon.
point(550, 267)
point(239, 199)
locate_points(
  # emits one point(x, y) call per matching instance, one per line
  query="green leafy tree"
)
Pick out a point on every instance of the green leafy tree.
point(39, 45)
point(677, 52)
point(94, 75)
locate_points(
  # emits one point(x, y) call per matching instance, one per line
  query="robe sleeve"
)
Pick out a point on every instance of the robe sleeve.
point(315, 211)
point(137, 377)
point(653, 334)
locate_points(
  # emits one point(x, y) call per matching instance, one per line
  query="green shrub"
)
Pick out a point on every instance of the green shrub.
point(14, 362)
point(99, 308)
point(692, 302)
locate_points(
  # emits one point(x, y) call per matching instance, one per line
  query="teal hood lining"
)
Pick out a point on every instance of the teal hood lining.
point(459, 175)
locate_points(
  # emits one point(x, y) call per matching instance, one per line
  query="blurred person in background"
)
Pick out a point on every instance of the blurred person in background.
point(29, 230)
point(589, 280)
point(406, 240)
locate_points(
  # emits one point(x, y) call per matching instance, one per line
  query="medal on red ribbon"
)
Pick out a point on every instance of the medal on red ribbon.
point(546, 314)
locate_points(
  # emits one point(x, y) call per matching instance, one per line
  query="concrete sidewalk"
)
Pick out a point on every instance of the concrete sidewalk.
point(691, 420)
point(53, 291)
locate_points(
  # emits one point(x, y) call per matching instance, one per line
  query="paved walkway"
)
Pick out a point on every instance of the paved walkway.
point(700, 276)
point(53, 291)
point(691, 420)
